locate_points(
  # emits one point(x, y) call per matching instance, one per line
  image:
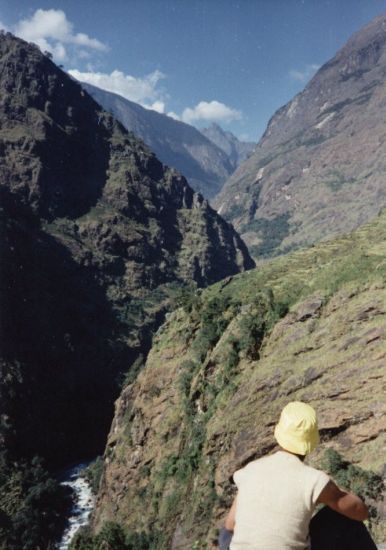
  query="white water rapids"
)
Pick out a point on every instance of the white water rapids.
point(82, 506)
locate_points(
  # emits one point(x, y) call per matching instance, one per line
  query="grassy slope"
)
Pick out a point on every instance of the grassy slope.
point(222, 367)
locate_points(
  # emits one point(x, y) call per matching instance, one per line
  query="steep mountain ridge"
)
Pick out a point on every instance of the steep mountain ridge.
point(307, 326)
point(96, 207)
point(318, 169)
point(202, 162)
point(236, 150)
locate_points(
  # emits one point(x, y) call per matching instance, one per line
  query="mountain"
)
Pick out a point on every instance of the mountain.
point(97, 239)
point(175, 143)
point(307, 326)
point(319, 168)
point(96, 236)
point(236, 150)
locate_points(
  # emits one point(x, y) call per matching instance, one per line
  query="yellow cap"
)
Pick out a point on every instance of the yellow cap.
point(297, 429)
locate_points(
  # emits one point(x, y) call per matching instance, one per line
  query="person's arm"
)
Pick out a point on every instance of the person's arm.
point(226, 532)
point(347, 504)
point(231, 517)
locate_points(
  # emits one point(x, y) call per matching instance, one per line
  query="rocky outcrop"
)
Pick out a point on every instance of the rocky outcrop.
point(308, 326)
point(236, 150)
point(318, 169)
point(204, 164)
point(97, 232)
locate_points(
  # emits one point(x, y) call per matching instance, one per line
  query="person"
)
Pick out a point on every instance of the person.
point(277, 496)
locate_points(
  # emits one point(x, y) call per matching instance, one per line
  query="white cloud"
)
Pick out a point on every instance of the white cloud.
point(174, 115)
point(158, 106)
point(210, 111)
point(84, 40)
point(141, 90)
point(146, 92)
point(305, 74)
point(51, 31)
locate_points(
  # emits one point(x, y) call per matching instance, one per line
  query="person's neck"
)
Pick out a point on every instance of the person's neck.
point(300, 457)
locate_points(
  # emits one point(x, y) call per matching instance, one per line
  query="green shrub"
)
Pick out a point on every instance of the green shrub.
point(82, 540)
point(186, 376)
point(114, 537)
point(365, 483)
point(215, 317)
point(32, 505)
point(111, 536)
point(93, 473)
point(337, 180)
point(188, 298)
point(131, 375)
point(235, 211)
point(225, 375)
point(143, 541)
point(272, 231)
point(252, 328)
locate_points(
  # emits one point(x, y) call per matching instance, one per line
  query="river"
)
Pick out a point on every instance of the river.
point(82, 506)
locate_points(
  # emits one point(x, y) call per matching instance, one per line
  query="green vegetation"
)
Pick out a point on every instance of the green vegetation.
point(130, 376)
point(272, 232)
point(203, 385)
point(233, 320)
point(93, 474)
point(113, 537)
point(358, 258)
point(253, 326)
point(232, 365)
point(365, 483)
point(235, 211)
point(337, 180)
point(253, 303)
point(32, 505)
point(186, 297)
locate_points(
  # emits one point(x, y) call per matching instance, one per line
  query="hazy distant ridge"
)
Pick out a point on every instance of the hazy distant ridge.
point(236, 150)
point(205, 165)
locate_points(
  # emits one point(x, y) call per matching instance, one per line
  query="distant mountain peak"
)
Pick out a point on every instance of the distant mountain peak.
point(236, 150)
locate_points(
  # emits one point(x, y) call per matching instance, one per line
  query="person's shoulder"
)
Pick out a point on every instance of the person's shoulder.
point(314, 473)
point(259, 462)
point(252, 466)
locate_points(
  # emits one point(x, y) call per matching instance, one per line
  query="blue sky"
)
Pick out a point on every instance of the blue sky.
point(229, 61)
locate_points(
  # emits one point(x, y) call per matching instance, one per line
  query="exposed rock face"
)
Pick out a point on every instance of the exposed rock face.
point(205, 165)
point(220, 371)
point(319, 168)
point(236, 150)
point(95, 227)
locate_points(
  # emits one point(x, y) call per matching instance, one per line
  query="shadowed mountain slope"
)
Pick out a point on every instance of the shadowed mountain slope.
point(319, 169)
point(96, 231)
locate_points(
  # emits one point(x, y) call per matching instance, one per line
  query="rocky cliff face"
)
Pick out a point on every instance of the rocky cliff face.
point(308, 326)
point(205, 165)
point(236, 150)
point(319, 168)
point(96, 231)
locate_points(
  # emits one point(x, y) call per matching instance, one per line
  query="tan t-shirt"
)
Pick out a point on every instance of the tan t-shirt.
point(276, 498)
